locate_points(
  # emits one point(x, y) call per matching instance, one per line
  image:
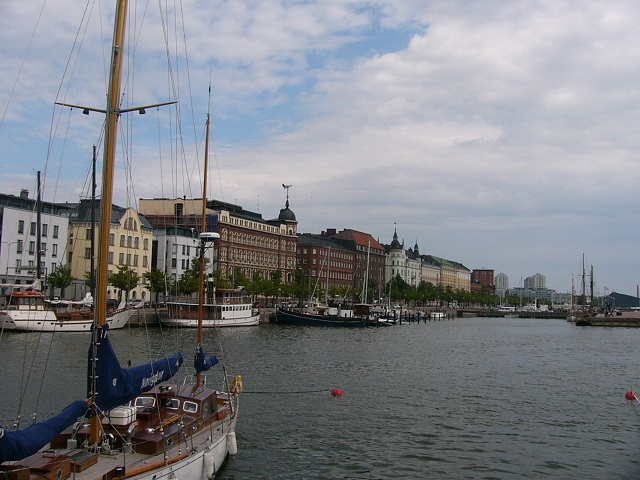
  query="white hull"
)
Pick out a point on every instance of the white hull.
point(46, 321)
point(209, 456)
point(227, 314)
point(225, 322)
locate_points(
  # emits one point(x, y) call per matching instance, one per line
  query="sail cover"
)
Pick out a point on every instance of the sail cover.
point(21, 444)
point(116, 385)
point(202, 363)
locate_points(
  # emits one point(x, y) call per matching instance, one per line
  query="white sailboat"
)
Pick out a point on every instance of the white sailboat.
point(134, 423)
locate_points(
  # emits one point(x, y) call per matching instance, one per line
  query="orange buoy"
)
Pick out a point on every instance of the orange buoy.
point(336, 392)
point(631, 395)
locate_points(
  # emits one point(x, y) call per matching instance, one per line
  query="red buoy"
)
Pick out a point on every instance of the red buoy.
point(336, 392)
point(631, 395)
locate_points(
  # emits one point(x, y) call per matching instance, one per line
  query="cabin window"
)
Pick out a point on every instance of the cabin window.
point(208, 408)
point(190, 407)
point(170, 403)
point(144, 402)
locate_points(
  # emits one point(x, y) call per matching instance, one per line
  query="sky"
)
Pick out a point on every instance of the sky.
point(501, 135)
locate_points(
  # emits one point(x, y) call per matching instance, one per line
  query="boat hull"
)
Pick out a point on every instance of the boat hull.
point(185, 314)
point(225, 322)
point(46, 321)
point(288, 317)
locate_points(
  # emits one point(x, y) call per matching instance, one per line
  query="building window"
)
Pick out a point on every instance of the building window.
point(135, 260)
point(45, 228)
point(54, 250)
point(136, 242)
point(32, 248)
point(128, 259)
point(112, 239)
point(122, 240)
point(87, 253)
point(33, 228)
point(88, 233)
point(145, 262)
point(19, 246)
point(145, 243)
point(20, 226)
point(55, 231)
point(110, 258)
point(121, 259)
point(129, 241)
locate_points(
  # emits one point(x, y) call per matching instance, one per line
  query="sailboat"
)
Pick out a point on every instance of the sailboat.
point(134, 423)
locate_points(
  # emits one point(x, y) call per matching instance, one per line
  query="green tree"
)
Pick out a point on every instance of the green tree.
point(155, 281)
point(300, 285)
point(188, 283)
point(124, 279)
point(60, 278)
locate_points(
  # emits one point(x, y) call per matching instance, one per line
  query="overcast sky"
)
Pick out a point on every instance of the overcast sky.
point(498, 134)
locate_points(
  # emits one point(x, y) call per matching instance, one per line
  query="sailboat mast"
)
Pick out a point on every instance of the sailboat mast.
point(201, 295)
point(110, 137)
point(92, 274)
point(38, 230)
point(108, 168)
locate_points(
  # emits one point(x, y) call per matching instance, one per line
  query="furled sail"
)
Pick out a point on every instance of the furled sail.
point(21, 444)
point(201, 363)
point(115, 385)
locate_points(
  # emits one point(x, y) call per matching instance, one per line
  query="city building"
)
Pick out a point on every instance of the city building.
point(370, 261)
point(502, 285)
point(405, 263)
point(248, 243)
point(482, 281)
point(536, 281)
point(448, 273)
point(22, 251)
point(327, 264)
point(130, 242)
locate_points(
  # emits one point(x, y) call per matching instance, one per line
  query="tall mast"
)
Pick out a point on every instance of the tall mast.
point(201, 294)
point(38, 230)
point(110, 137)
point(92, 274)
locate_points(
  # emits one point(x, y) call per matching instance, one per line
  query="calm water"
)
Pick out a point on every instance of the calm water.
point(468, 398)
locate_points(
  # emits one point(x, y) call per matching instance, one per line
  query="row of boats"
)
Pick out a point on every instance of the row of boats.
point(26, 308)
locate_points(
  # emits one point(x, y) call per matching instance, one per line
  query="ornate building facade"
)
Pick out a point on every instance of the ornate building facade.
point(248, 243)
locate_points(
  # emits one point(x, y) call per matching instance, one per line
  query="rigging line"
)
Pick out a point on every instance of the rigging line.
point(55, 123)
point(44, 372)
point(280, 392)
point(27, 371)
point(24, 59)
point(171, 77)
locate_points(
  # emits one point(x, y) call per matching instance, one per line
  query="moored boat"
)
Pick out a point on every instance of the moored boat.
point(135, 423)
point(230, 309)
point(28, 310)
point(291, 317)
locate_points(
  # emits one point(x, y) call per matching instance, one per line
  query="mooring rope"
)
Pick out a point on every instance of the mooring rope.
point(279, 392)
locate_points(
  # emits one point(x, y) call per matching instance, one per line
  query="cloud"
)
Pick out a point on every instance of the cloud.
point(497, 134)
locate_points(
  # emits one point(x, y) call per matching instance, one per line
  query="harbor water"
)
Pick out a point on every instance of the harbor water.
point(490, 398)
